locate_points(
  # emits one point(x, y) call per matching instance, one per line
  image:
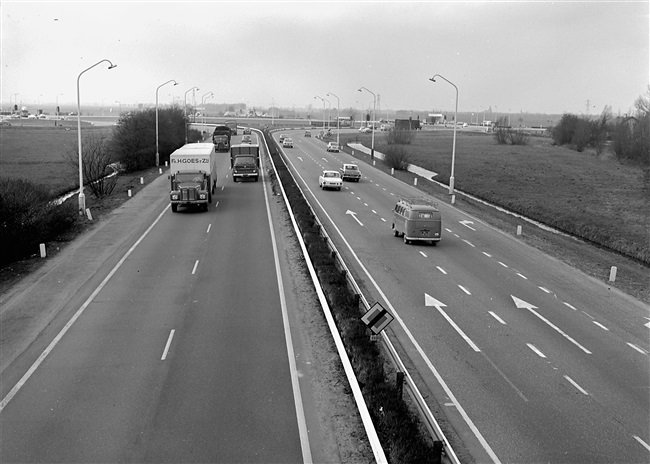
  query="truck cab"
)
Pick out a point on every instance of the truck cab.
point(245, 162)
point(190, 188)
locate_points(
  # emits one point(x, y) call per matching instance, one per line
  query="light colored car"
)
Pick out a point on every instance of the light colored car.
point(333, 146)
point(351, 172)
point(365, 130)
point(330, 180)
point(246, 139)
point(287, 143)
point(282, 137)
point(307, 133)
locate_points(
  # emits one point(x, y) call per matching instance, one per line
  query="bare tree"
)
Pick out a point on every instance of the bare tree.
point(98, 173)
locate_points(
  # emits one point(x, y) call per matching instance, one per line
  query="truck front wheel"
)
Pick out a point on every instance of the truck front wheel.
point(174, 207)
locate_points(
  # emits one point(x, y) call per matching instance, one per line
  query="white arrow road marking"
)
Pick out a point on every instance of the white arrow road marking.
point(354, 215)
point(465, 223)
point(521, 304)
point(431, 301)
point(300, 158)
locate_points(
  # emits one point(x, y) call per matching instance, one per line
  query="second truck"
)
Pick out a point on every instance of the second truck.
point(245, 162)
point(221, 138)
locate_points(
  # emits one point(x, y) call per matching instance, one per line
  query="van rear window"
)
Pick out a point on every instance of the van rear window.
point(425, 215)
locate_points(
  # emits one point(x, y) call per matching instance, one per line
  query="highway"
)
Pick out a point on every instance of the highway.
point(179, 355)
point(531, 360)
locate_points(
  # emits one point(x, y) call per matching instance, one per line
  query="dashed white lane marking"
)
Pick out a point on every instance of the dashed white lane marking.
point(196, 264)
point(503, 264)
point(600, 325)
point(209, 227)
point(568, 305)
point(643, 443)
point(545, 290)
point(441, 270)
point(469, 243)
point(522, 276)
point(578, 387)
point(487, 254)
point(634, 347)
point(464, 289)
point(169, 342)
point(423, 254)
point(539, 353)
point(497, 318)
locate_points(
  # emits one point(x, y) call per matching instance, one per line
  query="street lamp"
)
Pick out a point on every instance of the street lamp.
point(203, 99)
point(157, 153)
point(338, 106)
point(374, 108)
point(57, 109)
point(185, 110)
point(453, 150)
point(82, 198)
point(323, 110)
point(120, 110)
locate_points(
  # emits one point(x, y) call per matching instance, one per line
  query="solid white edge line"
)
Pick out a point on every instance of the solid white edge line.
point(167, 345)
point(369, 427)
point(76, 316)
point(434, 371)
point(295, 384)
point(196, 264)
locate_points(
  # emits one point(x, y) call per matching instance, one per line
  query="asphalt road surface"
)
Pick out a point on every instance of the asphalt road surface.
point(531, 360)
point(179, 355)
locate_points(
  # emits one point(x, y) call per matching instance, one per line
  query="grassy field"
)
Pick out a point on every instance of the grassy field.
point(37, 153)
point(594, 197)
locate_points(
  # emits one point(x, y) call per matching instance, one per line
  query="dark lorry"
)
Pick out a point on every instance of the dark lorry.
point(221, 138)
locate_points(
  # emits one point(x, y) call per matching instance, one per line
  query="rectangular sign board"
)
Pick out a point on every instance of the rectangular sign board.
point(377, 318)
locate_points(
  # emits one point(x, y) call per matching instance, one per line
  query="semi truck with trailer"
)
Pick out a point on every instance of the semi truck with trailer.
point(193, 175)
point(221, 138)
point(245, 162)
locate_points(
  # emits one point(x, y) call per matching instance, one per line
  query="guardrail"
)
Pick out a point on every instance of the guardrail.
point(441, 444)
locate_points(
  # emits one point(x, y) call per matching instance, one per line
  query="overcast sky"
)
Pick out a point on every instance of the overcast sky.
point(538, 57)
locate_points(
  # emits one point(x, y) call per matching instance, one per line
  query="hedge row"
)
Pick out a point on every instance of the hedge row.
point(398, 429)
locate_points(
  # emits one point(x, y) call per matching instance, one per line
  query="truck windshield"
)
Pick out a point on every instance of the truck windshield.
point(189, 177)
point(244, 160)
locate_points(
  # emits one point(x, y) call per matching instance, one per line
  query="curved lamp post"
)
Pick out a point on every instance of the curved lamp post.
point(82, 198)
point(203, 99)
point(374, 108)
point(158, 88)
point(323, 110)
point(453, 149)
point(185, 110)
point(338, 107)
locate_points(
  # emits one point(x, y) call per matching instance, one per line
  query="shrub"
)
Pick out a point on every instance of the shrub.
point(397, 157)
point(399, 137)
point(95, 164)
point(134, 138)
point(28, 218)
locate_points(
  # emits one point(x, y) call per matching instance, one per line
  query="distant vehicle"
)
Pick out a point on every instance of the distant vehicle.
point(330, 179)
point(221, 138)
point(42, 116)
point(350, 171)
point(247, 131)
point(233, 126)
point(365, 130)
point(287, 143)
point(407, 124)
point(31, 116)
point(417, 219)
point(5, 123)
point(246, 139)
point(333, 146)
point(307, 133)
point(282, 137)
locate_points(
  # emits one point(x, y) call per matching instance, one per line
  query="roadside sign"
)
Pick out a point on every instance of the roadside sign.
point(377, 318)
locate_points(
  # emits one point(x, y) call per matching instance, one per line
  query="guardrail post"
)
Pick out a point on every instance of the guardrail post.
point(437, 452)
point(399, 383)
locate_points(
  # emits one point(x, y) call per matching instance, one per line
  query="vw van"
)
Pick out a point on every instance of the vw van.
point(417, 219)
